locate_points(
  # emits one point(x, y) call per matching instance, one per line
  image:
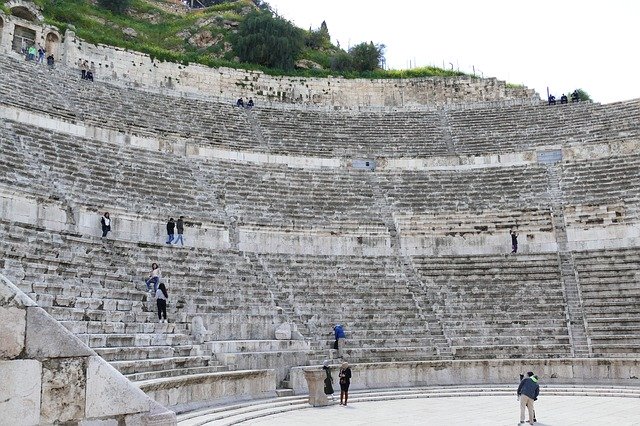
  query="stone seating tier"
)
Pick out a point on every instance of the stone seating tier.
point(305, 132)
point(611, 299)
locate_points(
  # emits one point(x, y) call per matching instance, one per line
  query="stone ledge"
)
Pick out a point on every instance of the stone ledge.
point(187, 393)
point(615, 371)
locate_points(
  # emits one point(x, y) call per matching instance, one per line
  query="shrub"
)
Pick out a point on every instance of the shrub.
point(116, 6)
point(367, 56)
point(268, 40)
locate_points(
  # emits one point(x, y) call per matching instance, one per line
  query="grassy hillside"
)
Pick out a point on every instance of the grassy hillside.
point(169, 32)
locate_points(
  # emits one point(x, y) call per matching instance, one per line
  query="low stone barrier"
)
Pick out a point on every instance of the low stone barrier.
point(472, 372)
point(187, 393)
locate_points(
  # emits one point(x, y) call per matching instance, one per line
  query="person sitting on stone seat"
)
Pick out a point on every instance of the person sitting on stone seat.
point(240, 103)
point(50, 60)
point(552, 100)
point(564, 99)
point(154, 277)
point(250, 103)
point(514, 242)
point(575, 96)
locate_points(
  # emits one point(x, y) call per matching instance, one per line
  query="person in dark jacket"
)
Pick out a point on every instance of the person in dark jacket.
point(345, 381)
point(528, 392)
point(180, 230)
point(105, 221)
point(328, 381)
point(514, 241)
point(171, 226)
point(161, 300)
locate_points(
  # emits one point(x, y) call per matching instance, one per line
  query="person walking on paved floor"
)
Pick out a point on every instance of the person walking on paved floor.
point(514, 241)
point(161, 300)
point(180, 231)
point(345, 381)
point(328, 381)
point(528, 392)
point(105, 221)
point(171, 226)
point(154, 277)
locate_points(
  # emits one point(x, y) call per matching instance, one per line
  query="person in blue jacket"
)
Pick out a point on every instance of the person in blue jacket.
point(528, 392)
point(338, 332)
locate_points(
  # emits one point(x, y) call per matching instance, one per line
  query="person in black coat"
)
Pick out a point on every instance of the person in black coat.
point(105, 221)
point(345, 381)
point(171, 226)
point(328, 381)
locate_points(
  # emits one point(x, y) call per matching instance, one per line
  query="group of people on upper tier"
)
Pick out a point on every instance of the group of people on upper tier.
point(575, 97)
point(175, 229)
point(31, 53)
point(240, 103)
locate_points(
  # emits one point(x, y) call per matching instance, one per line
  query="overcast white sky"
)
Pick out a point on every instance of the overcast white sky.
point(562, 44)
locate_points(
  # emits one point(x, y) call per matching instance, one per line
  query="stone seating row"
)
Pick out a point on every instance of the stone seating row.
point(474, 296)
point(307, 132)
point(610, 293)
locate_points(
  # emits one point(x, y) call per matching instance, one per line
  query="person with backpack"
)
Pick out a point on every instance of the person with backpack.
point(528, 392)
point(180, 230)
point(161, 300)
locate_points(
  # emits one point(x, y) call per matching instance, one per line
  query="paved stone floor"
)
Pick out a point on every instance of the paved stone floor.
point(483, 410)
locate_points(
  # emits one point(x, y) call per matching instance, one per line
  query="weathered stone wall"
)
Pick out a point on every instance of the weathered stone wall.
point(442, 373)
point(49, 376)
point(115, 64)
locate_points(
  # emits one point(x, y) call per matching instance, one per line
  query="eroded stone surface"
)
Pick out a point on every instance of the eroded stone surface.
point(283, 332)
point(63, 389)
point(12, 331)
point(20, 392)
point(109, 393)
point(43, 330)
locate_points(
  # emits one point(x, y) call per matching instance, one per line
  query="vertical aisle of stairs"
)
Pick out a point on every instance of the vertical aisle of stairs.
point(422, 297)
point(576, 321)
point(446, 131)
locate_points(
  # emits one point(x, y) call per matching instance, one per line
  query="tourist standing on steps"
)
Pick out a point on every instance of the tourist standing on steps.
point(161, 301)
point(328, 381)
point(180, 230)
point(528, 392)
point(345, 381)
point(514, 241)
point(171, 226)
point(106, 224)
point(154, 277)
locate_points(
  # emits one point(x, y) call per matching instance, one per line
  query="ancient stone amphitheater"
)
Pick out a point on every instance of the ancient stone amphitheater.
point(389, 217)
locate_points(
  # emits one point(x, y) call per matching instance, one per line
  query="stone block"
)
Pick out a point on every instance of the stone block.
point(109, 393)
point(43, 331)
point(12, 331)
point(63, 389)
point(283, 332)
point(20, 392)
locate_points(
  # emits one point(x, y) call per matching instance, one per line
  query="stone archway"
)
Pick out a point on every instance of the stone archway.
point(52, 43)
point(24, 12)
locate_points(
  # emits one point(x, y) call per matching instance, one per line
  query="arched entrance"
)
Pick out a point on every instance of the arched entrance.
point(23, 38)
point(52, 42)
point(24, 13)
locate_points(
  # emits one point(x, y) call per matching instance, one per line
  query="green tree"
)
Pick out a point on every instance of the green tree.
point(116, 6)
point(318, 39)
point(268, 40)
point(583, 95)
point(341, 61)
point(367, 56)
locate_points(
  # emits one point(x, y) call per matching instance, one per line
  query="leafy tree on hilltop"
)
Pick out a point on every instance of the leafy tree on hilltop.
point(583, 95)
point(117, 6)
point(268, 40)
point(367, 56)
point(318, 39)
